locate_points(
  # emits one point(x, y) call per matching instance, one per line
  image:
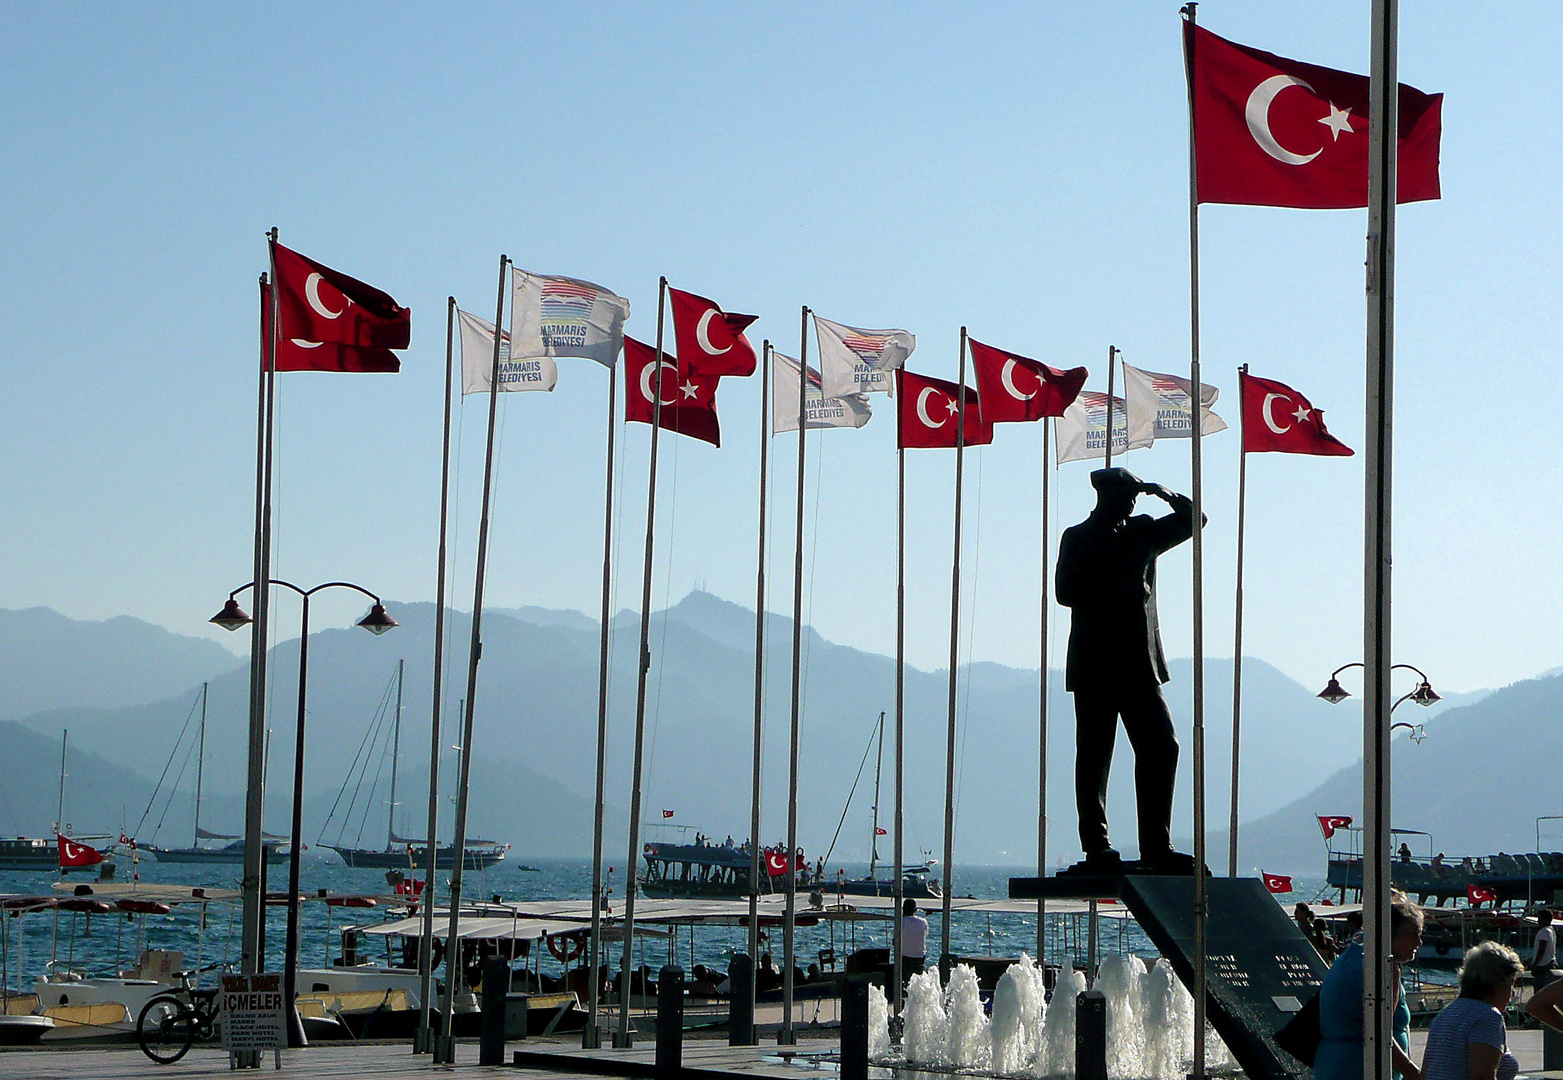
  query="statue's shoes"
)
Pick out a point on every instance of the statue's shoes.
point(1106, 861)
point(1171, 863)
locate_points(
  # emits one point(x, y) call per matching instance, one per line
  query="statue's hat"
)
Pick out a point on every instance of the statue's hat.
point(1116, 479)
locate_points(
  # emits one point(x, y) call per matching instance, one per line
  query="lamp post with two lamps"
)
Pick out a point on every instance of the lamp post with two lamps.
point(231, 617)
point(1423, 695)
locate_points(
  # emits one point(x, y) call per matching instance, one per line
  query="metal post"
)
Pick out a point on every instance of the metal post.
point(1237, 622)
point(900, 714)
point(670, 1023)
point(296, 843)
point(787, 1036)
point(945, 957)
point(1042, 714)
point(745, 1035)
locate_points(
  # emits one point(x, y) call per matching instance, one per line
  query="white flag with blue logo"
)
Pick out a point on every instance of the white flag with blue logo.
point(561, 316)
point(477, 361)
point(822, 412)
point(1166, 398)
point(854, 361)
point(1082, 430)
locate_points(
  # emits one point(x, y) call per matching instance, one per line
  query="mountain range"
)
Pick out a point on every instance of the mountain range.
point(126, 691)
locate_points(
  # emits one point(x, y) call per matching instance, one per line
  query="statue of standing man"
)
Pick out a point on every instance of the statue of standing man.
point(1107, 576)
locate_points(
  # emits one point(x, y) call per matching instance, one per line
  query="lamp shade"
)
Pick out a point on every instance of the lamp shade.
point(232, 616)
point(1334, 693)
point(378, 621)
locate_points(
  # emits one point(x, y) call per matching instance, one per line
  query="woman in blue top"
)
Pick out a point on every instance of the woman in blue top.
point(1340, 1002)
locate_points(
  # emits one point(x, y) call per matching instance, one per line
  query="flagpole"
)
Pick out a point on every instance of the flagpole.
point(423, 1042)
point(474, 653)
point(621, 1038)
point(759, 698)
point(1383, 138)
point(1196, 424)
point(1042, 715)
point(788, 1036)
point(591, 1037)
point(1237, 622)
point(1112, 351)
point(945, 959)
point(900, 693)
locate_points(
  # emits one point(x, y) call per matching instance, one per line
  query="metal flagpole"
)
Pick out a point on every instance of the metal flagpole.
point(1196, 423)
point(1042, 717)
point(423, 1043)
point(945, 959)
point(621, 1037)
point(396, 750)
point(787, 1036)
point(1383, 138)
point(591, 1037)
point(200, 764)
point(1237, 622)
point(474, 654)
point(759, 692)
point(1112, 351)
point(900, 695)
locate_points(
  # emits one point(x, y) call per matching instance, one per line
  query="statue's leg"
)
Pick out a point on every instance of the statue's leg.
point(1148, 723)
point(1096, 726)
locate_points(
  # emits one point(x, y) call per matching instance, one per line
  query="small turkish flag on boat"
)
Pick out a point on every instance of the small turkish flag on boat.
point(74, 854)
point(1476, 894)
point(1277, 883)
point(667, 813)
point(1328, 823)
point(775, 863)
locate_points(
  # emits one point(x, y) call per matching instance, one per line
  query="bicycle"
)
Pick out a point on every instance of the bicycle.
point(170, 1022)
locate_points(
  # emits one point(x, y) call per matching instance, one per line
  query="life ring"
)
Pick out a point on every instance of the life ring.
point(648, 849)
point(566, 947)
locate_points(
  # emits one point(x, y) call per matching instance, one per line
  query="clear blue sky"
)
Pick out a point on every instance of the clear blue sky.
point(1019, 168)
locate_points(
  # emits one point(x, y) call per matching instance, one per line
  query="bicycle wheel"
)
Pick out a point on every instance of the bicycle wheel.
point(166, 1028)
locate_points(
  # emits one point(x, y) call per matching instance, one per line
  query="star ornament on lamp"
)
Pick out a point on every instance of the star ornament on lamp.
point(1424, 695)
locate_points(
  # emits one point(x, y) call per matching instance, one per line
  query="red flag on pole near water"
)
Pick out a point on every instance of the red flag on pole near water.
point(1476, 894)
point(1328, 823)
point(297, 354)
point(688, 398)
point(1012, 388)
point(1277, 883)
point(1269, 131)
point(927, 410)
point(710, 341)
point(1279, 419)
point(880, 830)
point(74, 854)
point(775, 863)
point(667, 813)
point(325, 305)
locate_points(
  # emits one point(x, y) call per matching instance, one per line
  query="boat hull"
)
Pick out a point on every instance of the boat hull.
point(444, 858)
point(24, 853)
point(227, 855)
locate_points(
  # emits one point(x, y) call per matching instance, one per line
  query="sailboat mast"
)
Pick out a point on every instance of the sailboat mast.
point(59, 823)
point(396, 749)
point(879, 764)
point(200, 762)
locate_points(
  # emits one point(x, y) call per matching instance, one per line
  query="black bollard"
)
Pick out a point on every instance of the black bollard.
point(1091, 1036)
point(496, 988)
point(854, 1028)
point(740, 1001)
point(1551, 1041)
point(670, 1022)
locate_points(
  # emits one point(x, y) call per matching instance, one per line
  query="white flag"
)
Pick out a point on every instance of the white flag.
point(560, 316)
point(854, 361)
point(1082, 430)
point(1166, 397)
point(477, 361)
point(823, 412)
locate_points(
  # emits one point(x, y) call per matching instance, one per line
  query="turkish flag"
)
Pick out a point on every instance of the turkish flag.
point(775, 863)
point(1278, 418)
point(1269, 131)
point(688, 398)
point(1011, 387)
point(74, 854)
point(1328, 823)
point(710, 341)
point(667, 813)
point(881, 832)
point(1277, 883)
point(1476, 894)
point(927, 410)
point(296, 354)
point(322, 304)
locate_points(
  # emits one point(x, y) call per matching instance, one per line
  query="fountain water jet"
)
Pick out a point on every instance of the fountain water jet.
point(967, 1045)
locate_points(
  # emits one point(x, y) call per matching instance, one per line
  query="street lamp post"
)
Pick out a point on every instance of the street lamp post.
point(1424, 695)
point(231, 617)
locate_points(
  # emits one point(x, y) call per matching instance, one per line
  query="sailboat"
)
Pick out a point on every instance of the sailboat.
point(232, 852)
point(403, 852)
point(916, 881)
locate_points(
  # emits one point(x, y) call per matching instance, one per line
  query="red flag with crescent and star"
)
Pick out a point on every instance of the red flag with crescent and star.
point(325, 305)
point(927, 410)
point(74, 854)
point(1328, 823)
point(1269, 131)
point(688, 398)
point(1011, 387)
point(775, 863)
point(1278, 419)
point(710, 341)
point(1277, 883)
point(297, 354)
point(1477, 894)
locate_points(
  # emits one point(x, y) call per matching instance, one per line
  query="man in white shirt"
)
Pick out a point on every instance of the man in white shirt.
point(914, 940)
point(1546, 948)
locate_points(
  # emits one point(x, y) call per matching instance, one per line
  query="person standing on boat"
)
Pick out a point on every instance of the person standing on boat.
point(1107, 576)
point(914, 940)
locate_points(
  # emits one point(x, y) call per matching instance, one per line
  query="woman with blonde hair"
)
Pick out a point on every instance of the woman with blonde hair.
point(1467, 1041)
point(1341, 1015)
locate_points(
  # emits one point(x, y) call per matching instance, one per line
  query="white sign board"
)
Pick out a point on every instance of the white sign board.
point(252, 1013)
